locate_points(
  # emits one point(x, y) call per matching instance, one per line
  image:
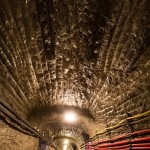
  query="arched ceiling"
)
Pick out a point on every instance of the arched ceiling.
point(92, 56)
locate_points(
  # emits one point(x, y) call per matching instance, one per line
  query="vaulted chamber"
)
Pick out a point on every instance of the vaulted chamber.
point(89, 57)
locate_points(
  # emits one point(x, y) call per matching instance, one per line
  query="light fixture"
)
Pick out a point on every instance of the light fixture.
point(70, 117)
point(65, 144)
point(65, 147)
point(66, 141)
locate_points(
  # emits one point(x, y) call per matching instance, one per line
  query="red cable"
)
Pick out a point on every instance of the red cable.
point(136, 148)
point(124, 136)
point(126, 142)
point(135, 143)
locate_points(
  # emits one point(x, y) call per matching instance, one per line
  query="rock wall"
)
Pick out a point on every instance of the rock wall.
point(11, 139)
point(90, 54)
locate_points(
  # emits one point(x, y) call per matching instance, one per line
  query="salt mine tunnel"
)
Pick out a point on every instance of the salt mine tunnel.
point(74, 74)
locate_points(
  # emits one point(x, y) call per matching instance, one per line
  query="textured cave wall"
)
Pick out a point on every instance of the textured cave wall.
point(43, 146)
point(90, 54)
point(11, 139)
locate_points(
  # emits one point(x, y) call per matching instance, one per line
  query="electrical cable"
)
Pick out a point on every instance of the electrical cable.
point(121, 122)
point(8, 113)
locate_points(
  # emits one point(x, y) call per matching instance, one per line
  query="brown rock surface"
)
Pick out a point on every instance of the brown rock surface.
point(92, 56)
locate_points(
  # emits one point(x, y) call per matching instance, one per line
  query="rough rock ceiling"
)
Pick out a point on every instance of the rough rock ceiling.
point(90, 54)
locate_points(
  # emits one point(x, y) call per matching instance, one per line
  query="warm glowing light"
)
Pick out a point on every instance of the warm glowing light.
point(70, 117)
point(65, 147)
point(66, 141)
